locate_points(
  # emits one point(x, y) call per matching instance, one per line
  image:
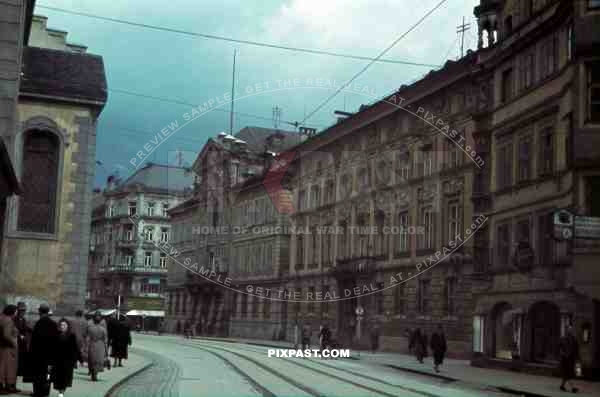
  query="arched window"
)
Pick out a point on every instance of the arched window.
point(39, 178)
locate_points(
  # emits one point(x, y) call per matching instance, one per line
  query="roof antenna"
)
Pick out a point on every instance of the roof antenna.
point(179, 157)
point(461, 29)
point(276, 116)
point(232, 96)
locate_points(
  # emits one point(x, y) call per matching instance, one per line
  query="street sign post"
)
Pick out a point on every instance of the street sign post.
point(359, 316)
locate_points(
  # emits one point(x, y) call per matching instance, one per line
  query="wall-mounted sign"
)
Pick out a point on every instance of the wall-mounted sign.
point(568, 226)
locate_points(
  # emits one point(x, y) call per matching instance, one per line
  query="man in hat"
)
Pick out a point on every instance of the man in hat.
point(24, 338)
point(43, 340)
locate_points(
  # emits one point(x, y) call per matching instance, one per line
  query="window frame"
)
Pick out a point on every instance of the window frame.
point(591, 86)
point(49, 128)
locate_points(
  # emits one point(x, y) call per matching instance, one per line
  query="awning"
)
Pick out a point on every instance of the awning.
point(104, 312)
point(146, 313)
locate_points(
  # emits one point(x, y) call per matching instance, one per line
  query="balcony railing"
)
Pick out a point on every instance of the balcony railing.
point(126, 268)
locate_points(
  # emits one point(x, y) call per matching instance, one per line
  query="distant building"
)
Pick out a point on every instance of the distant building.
point(129, 222)
point(61, 93)
point(223, 166)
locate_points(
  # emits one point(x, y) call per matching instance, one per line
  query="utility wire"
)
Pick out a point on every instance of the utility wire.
point(187, 104)
point(231, 40)
point(372, 61)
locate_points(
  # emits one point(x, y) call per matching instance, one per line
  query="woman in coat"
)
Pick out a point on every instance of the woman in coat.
point(66, 355)
point(8, 351)
point(438, 346)
point(120, 340)
point(96, 346)
point(419, 345)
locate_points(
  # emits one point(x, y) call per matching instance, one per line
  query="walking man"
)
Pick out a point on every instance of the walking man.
point(79, 329)
point(24, 339)
point(43, 342)
point(374, 337)
point(438, 347)
point(8, 351)
point(419, 345)
point(569, 354)
point(306, 331)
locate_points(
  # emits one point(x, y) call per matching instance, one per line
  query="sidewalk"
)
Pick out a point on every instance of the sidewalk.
point(107, 380)
point(457, 371)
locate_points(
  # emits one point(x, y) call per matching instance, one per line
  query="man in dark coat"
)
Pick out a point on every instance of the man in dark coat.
point(25, 330)
point(438, 347)
point(43, 342)
point(78, 327)
point(569, 354)
point(121, 339)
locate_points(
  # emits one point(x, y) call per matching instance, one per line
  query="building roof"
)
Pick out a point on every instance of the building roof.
point(259, 138)
point(64, 75)
point(7, 172)
point(161, 177)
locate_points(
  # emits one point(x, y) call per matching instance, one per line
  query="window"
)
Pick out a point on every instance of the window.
point(318, 167)
point(594, 92)
point(149, 234)
point(593, 4)
point(481, 250)
point(527, 70)
point(380, 300)
point(503, 244)
point(363, 179)
point(325, 302)
point(545, 240)
point(424, 296)
point(363, 237)
point(546, 157)
point(129, 260)
point(148, 259)
point(403, 166)
point(315, 246)
point(244, 306)
point(507, 85)
point(400, 298)
point(549, 61)
point(454, 221)
point(525, 159)
point(301, 198)
point(266, 308)
point(129, 232)
point(326, 245)
point(504, 167)
point(316, 196)
point(508, 25)
point(164, 234)
point(255, 302)
point(570, 42)
point(450, 291)
point(403, 242)
point(165, 208)
point(426, 238)
point(299, 251)
point(163, 260)
point(330, 192)
point(39, 183)
point(454, 154)
point(311, 297)
point(427, 162)
point(343, 240)
point(150, 209)
point(111, 211)
point(381, 237)
point(132, 210)
point(523, 232)
point(109, 260)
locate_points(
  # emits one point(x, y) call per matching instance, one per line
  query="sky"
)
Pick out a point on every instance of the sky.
point(195, 70)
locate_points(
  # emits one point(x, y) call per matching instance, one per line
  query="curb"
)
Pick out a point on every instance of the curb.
point(126, 378)
point(502, 389)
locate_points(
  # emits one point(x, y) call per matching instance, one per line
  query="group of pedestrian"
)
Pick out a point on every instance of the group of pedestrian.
point(418, 345)
point(47, 353)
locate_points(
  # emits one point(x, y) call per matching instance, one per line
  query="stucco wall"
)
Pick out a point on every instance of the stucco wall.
point(54, 269)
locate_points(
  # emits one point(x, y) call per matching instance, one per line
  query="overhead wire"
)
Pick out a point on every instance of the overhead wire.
point(229, 39)
point(372, 61)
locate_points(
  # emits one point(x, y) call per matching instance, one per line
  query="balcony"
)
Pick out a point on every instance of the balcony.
point(127, 243)
point(126, 268)
point(355, 267)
